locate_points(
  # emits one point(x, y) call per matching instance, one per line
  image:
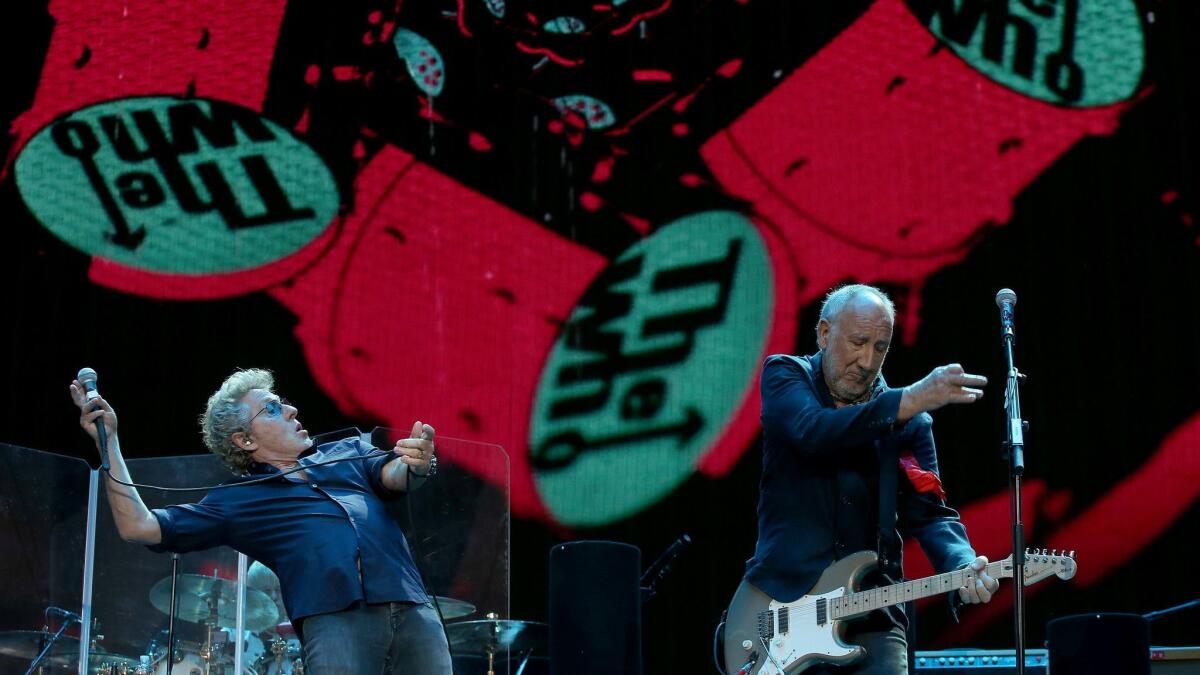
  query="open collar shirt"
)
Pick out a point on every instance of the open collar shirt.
point(328, 537)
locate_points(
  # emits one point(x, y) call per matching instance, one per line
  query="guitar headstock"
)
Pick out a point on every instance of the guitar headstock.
point(1041, 563)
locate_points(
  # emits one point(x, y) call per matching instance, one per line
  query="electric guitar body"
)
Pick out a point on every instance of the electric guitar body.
point(766, 637)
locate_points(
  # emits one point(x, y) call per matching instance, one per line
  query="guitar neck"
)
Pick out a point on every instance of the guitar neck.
point(854, 604)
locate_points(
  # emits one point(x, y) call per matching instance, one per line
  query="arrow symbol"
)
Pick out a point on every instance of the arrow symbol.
point(560, 450)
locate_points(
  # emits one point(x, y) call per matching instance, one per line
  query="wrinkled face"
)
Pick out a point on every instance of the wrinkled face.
point(274, 435)
point(853, 346)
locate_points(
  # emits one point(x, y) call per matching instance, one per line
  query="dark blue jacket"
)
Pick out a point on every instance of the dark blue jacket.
point(819, 489)
point(312, 533)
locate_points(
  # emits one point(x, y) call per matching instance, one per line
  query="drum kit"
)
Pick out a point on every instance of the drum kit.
point(270, 647)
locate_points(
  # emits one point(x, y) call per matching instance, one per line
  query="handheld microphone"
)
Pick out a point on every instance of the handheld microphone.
point(1006, 299)
point(87, 377)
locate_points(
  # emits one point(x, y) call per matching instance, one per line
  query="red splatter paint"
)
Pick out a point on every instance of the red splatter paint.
point(426, 111)
point(302, 124)
point(640, 17)
point(548, 53)
point(730, 68)
point(638, 223)
point(346, 73)
point(652, 75)
point(461, 19)
point(603, 170)
point(624, 129)
point(590, 201)
point(479, 142)
point(312, 74)
point(684, 101)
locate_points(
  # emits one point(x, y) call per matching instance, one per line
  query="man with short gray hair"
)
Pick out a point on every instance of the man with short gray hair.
point(315, 516)
point(833, 433)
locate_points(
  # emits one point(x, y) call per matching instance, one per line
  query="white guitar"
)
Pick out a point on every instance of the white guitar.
point(767, 637)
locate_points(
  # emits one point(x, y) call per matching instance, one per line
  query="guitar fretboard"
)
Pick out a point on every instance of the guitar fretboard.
point(853, 604)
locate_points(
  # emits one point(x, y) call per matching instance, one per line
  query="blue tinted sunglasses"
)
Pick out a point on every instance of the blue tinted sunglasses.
point(273, 408)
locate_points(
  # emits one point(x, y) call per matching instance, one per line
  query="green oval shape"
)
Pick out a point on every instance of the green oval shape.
point(1069, 52)
point(172, 185)
point(654, 360)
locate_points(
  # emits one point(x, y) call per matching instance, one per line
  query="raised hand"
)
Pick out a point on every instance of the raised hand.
point(942, 386)
point(417, 450)
point(90, 411)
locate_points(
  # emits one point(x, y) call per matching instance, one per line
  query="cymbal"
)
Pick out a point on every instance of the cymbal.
point(496, 636)
point(198, 594)
point(99, 661)
point(27, 644)
point(452, 608)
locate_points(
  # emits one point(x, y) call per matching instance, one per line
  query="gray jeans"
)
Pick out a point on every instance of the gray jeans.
point(396, 638)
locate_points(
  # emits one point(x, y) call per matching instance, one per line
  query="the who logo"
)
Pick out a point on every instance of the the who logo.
point(1067, 52)
point(176, 186)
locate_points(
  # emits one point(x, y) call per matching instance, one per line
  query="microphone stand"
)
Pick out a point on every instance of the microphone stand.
point(171, 616)
point(1015, 447)
point(67, 621)
point(1153, 616)
point(658, 570)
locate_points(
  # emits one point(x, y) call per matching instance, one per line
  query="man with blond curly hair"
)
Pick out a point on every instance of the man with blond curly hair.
point(318, 521)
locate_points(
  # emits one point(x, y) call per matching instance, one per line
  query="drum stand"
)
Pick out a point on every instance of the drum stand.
point(211, 625)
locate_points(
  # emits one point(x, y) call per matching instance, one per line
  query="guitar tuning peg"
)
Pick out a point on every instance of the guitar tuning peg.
point(1054, 552)
point(1072, 553)
point(1026, 550)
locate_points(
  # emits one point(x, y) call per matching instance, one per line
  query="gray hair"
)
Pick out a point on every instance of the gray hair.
point(838, 298)
point(226, 415)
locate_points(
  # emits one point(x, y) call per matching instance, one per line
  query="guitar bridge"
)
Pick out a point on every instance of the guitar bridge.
point(766, 624)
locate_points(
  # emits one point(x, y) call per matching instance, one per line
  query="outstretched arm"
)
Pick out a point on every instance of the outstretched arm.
point(134, 521)
point(942, 386)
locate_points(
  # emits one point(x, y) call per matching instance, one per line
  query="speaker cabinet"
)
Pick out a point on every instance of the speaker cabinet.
point(1097, 644)
point(595, 609)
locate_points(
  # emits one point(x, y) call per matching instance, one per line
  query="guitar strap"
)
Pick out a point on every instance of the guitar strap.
point(889, 459)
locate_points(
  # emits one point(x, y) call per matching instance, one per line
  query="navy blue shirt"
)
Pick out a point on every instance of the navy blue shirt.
point(313, 533)
point(819, 491)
